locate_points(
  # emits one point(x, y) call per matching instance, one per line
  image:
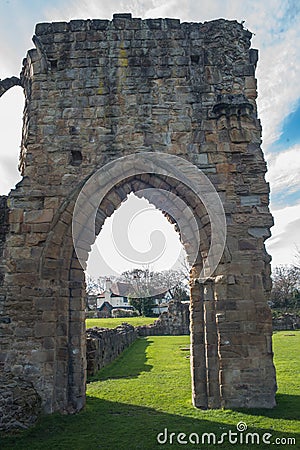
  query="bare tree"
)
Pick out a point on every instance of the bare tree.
point(140, 288)
point(185, 270)
point(297, 258)
point(286, 285)
point(145, 283)
point(94, 286)
point(176, 283)
point(145, 286)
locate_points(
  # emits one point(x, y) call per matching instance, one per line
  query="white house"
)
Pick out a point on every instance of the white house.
point(114, 294)
point(162, 304)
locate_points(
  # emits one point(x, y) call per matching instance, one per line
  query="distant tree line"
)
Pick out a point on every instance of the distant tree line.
point(146, 286)
point(285, 292)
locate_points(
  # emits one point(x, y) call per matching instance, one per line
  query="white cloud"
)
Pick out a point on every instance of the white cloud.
point(285, 235)
point(17, 22)
point(83, 9)
point(278, 83)
point(170, 8)
point(283, 171)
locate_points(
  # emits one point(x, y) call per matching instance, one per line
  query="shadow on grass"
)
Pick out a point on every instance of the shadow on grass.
point(288, 408)
point(108, 425)
point(130, 364)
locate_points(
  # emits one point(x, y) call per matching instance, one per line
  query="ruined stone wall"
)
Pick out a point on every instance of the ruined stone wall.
point(4, 320)
point(3, 231)
point(174, 322)
point(104, 345)
point(98, 90)
point(20, 405)
point(286, 321)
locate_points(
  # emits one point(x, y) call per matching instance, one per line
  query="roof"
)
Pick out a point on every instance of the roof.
point(123, 289)
point(117, 289)
point(120, 289)
point(105, 304)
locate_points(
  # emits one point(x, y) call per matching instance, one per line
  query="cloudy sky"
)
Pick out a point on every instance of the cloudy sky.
point(276, 28)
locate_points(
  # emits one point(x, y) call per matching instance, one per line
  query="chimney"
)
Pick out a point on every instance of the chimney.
point(108, 284)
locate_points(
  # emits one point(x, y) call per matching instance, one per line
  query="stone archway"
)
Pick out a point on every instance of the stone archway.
point(98, 91)
point(60, 262)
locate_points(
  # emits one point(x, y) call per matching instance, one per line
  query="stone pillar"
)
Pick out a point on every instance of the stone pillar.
point(211, 346)
point(198, 354)
point(5, 320)
point(247, 374)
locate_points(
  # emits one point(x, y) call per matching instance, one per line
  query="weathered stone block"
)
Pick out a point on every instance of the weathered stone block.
point(259, 232)
point(44, 329)
point(250, 200)
point(42, 216)
point(42, 356)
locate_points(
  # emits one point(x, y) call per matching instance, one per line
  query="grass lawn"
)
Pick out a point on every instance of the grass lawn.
point(147, 389)
point(112, 323)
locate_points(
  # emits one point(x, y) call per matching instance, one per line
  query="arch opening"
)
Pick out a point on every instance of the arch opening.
point(11, 117)
point(171, 202)
point(136, 236)
point(169, 196)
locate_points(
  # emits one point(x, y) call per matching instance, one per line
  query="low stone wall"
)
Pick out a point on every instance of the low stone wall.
point(287, 322)
point(105, 344)
point(174, 322)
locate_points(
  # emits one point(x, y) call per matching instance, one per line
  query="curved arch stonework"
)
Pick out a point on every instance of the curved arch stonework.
point(98, 91)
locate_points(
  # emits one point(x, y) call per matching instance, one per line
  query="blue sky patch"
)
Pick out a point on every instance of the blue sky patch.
point(290, 132)
point(284, 198)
